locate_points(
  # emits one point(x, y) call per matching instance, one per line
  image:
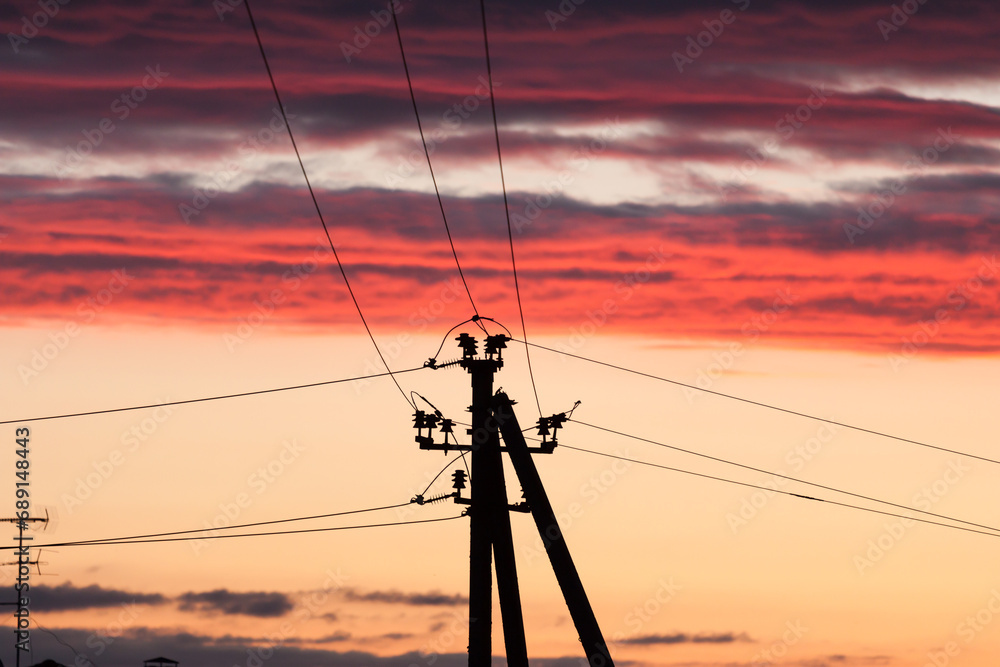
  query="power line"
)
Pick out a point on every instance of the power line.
point(506, 208)
point(445, 338)
point(209, 398)
point(223, 537)
point(326, 230)
point(433, 360)
point(770, 490)
point(242, 525)
point(446, 466)
point(80, 656)
point(760, 403)
point(776, 474)
point(423, 140)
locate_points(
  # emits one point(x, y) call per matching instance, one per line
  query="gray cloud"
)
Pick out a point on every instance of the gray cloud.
point(396, 597)
point(195, 650)
point(684, 638)
point(258, 604)
point(65, 597)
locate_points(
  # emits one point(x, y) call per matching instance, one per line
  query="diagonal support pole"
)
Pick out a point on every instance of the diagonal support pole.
point(506, 568)
point(580, 610)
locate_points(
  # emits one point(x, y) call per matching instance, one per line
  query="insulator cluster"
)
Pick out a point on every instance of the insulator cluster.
point(495, 345)
point(427, 422)
point(548, 428)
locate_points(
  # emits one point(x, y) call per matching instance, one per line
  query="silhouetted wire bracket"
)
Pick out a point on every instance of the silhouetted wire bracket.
point(458, 483)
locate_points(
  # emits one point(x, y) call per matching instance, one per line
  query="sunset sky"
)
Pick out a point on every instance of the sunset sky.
point(791, 203)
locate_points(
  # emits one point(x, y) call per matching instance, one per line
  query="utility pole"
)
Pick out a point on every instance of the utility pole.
point(489, 511)
point(490, 519)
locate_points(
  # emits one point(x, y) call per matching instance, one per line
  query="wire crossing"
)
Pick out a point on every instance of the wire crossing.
point(319, 212)
point(430, 167)
point(506, 207)
point(761, 404)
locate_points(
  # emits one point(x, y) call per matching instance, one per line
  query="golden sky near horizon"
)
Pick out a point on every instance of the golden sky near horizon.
point(661, 553)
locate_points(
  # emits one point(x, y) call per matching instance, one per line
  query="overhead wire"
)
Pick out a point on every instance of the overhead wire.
point(390, 373)
point(783, 476)
point(506, 207)
point(444, 339)
point(319, 212)
point(128, 540)
point(430, 167)
point(779, 491)
point(762, 404)
point(84, 659)
point(149, 538)
point(244, 525)
point(209, 398)
point(446, 466)
point(460, 456)
point(490, 319)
